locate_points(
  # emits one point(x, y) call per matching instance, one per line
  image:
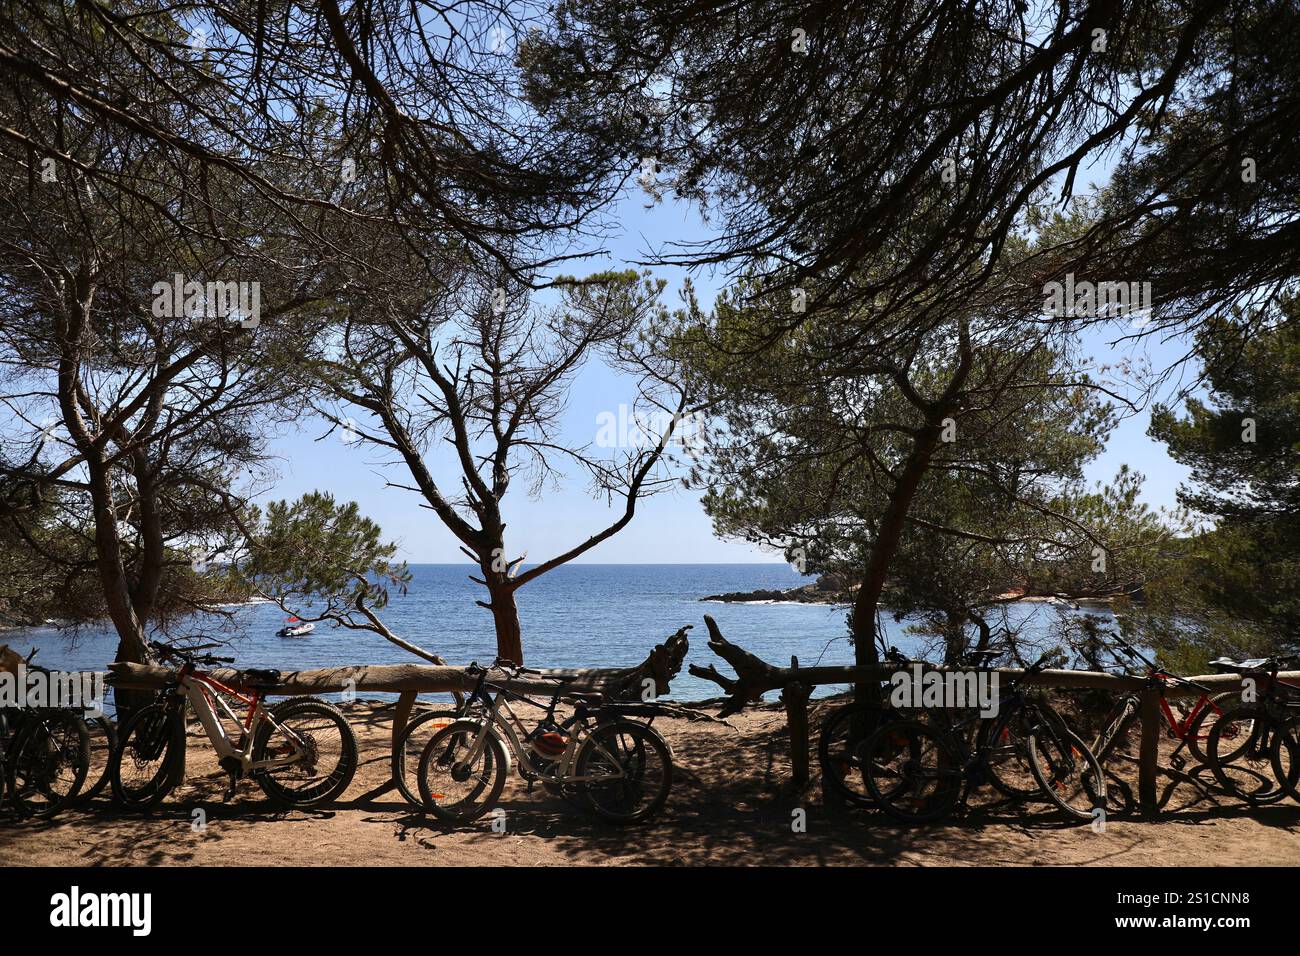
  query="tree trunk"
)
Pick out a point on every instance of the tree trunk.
point(132, 646)
point(505, 615)
point(892, 522)
point(153, 554)
point(112, 571)
point(883, 549)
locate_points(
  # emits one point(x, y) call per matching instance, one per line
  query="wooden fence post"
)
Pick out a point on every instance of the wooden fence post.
point(1149, 753)
point(405, 704)
point(795, 696)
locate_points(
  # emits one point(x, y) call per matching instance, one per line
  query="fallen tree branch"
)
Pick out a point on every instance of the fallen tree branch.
point(620, 683)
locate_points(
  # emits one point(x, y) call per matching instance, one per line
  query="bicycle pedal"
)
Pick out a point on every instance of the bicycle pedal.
point(1177, 762)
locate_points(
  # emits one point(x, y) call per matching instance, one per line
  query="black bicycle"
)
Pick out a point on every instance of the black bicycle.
point(918, 771)
point(604, 755)
point(44, 756)
point(848, 726)
point(1265, 767)
point(414, 737)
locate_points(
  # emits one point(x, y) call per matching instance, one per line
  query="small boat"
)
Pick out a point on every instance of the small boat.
point(296, 628)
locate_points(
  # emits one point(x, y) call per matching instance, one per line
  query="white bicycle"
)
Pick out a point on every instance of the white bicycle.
point(622, 769)
point(301, 752)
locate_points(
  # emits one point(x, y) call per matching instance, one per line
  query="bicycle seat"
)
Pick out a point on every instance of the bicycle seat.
point(1226, 666)
point(260, 676)
point(594, 699)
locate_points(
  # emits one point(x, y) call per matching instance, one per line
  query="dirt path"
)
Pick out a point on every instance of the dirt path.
point(728, 807)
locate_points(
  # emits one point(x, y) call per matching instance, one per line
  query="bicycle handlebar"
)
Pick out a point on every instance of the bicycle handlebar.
point(1156, 670)
point(187, 654)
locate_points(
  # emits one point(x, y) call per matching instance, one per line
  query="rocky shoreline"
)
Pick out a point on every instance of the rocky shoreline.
point(824, 590)
point(835, 593)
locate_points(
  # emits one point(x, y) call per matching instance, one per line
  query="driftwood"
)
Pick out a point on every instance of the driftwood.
point(755, 677)
point(620, 683)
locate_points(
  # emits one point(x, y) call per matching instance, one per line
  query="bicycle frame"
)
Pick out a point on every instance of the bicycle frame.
point(203, 694)
point(1181, 729)
point(560, 769)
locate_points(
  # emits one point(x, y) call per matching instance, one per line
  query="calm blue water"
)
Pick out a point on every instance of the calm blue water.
point(577, 615)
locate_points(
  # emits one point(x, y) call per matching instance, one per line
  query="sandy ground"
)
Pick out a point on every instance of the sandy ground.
point(731, 805)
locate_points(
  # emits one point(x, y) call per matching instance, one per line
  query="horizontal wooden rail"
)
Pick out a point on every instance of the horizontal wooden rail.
point(385, 678)
point(755, 678)
point(661, 665)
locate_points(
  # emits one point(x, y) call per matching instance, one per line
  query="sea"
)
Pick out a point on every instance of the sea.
point(578, 615)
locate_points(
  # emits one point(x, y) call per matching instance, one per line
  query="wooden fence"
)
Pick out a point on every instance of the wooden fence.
point(755, 677)
point(410, 680)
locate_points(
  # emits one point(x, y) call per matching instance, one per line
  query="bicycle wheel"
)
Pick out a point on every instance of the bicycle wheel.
point(913, 772)
point(1249, 776)
point(1285, 758)
point(1234, 738)
point(103, 741)
point(1115, 734)
point(47, 762)
point(319, 743)
point(410, 744)
point(630, 767)
point(1004, 748)
point(150, 759)
point(837, 750)
point(454, 788)
point(1067, 771)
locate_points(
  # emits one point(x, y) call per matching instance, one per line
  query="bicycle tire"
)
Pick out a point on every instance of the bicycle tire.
point(894, 759)
point(402, 757)
point(45, 744)
point(837, 750)
point(1236, 776)
point(1285, 757)
point(316, 791)
point(1056, 771)
point(608, 741)
point(107, 730)
point(1198, 733)
point(155, 733)
point(1004, 756)
point(439, 754)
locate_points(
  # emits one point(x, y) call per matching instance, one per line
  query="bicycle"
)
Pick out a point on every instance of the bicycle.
point(919, 772)
point(409, 745)
point(1269, 725)
point(620, 768)
point(845, 730)
point(301, 752)
point(44, 756)
point(1190, 730)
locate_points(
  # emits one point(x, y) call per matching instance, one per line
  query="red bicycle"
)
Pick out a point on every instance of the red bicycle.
point(301, 752)
point(1192, 729)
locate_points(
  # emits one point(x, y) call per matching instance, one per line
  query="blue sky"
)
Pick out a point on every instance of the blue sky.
point(670, 528)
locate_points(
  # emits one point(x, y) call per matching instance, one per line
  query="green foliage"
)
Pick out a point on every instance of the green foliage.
point(318, 554)
point(811, 442)
point(1241, 579)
